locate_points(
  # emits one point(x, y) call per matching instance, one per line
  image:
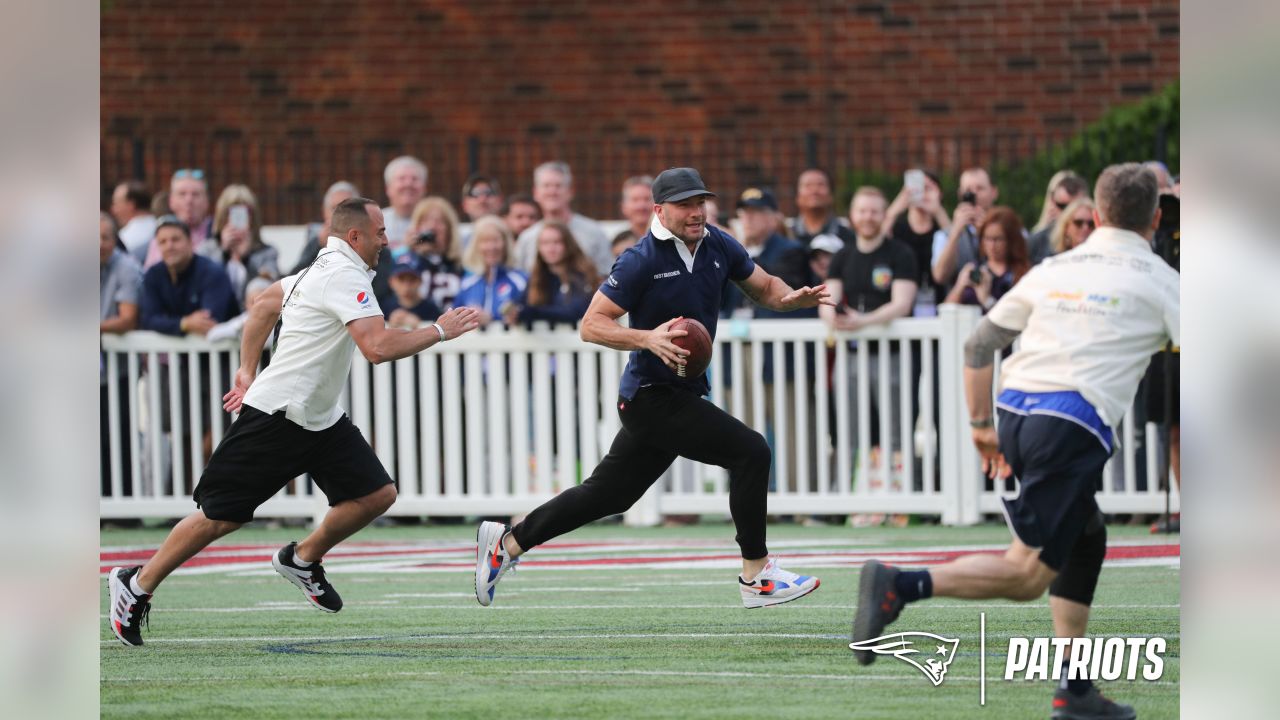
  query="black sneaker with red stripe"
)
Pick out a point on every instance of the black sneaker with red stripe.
point(129, 610)
point(310, 579)
point(1092, 705)
point(878, 605)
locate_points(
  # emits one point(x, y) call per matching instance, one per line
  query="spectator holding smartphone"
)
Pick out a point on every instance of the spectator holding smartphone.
point(236, 242)
point(917, 219)
point(1001, 262)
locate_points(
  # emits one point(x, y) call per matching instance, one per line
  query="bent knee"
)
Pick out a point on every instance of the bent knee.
point(1035, 581)
point(383, 498)
point(1028, 591)
point(757, 452)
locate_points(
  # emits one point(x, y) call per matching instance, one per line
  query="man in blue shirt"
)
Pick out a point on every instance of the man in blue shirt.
point(185, 293)
point(680, 268)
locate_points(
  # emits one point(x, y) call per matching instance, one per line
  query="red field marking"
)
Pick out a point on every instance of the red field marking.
point(241, 555)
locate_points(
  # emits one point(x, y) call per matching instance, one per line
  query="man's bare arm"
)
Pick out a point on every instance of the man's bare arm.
point(771, 292)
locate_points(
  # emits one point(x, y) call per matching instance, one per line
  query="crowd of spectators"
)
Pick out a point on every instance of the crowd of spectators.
point(953, 259)
point(175, 263)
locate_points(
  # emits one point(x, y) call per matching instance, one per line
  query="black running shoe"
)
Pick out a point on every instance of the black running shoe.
point(878, 605)
point(309, 579)
point(1092, 705)
point(128, 611)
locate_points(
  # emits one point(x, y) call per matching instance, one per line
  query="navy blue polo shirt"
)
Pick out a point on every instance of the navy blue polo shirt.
point(204, 285)
point(653, 284)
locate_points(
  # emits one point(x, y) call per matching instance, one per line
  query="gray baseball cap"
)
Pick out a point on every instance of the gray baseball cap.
point(676, 184)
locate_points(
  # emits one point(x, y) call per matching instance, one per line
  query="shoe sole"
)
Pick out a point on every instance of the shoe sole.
point(486, 535)
point(747, 602)
point(868, 607)
point(113, 584)
point(280, 570)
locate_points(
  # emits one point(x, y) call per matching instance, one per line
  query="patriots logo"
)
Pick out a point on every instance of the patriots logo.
point(901, 646)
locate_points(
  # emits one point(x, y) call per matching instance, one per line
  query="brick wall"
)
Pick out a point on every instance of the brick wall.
point(291, 96)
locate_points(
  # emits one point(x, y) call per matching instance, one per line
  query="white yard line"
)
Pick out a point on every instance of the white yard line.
point(855, 677)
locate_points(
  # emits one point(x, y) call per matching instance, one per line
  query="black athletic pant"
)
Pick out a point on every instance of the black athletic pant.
point(659, 424)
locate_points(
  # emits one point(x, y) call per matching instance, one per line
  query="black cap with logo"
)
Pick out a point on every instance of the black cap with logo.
point(676, 184)
point(757, 198)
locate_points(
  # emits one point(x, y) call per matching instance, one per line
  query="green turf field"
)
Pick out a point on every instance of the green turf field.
point(660, 638)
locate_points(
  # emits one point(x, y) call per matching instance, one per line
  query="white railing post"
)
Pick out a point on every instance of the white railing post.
point(961, 484)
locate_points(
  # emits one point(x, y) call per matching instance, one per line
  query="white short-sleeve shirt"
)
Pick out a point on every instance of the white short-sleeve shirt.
point(1091, 318)
point(313, 355)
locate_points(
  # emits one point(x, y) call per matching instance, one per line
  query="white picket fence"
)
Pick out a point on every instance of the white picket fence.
point(496, 422)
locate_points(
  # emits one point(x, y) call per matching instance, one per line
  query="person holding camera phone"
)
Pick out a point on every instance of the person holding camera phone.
point(236, 242)
point(916, 217)
point(435, 250)
point(1001, 263)
point(977, 196)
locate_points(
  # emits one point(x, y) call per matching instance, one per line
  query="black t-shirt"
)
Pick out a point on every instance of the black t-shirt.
point(921, 245)
point(868, 277)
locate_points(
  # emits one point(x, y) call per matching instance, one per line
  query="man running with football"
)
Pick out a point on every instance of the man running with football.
point(678, 270)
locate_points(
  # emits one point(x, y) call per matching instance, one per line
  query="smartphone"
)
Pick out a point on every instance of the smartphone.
point(913, 180)
point(238, 217)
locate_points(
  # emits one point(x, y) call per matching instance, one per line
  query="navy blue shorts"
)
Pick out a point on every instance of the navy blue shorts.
point(261, 453)
point(1059, 467)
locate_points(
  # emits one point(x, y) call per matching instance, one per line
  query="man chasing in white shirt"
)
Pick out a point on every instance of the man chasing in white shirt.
point(290, 421)
point(1090, 320)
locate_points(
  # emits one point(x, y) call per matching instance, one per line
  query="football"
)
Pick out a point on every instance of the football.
point(697, 342)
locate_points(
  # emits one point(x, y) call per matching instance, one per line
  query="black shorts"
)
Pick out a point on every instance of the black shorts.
point(1059, 466)
point(261, 453)
point(1157, 372)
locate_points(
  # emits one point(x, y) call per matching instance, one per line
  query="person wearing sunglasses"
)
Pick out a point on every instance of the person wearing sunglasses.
point(189, 202)
point(1064, 187)
point(1073, 226)
point(481, 195)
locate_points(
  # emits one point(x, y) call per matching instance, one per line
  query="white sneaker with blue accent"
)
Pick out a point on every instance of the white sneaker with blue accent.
point(492, 560)
point(774, 586)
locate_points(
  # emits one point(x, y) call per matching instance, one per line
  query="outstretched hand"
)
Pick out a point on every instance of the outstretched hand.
point(807, 297)
point(458, 321)
point(659, 342)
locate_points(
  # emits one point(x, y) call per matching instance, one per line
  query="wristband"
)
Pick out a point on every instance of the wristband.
point(982, 424)
point(440, 330)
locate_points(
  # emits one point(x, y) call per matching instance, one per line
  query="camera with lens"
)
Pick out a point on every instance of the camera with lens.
point(969, 197)
point(425, 237)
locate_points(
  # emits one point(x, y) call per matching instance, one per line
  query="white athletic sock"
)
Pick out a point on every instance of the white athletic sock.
point(134, 587)
point(299, 561)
